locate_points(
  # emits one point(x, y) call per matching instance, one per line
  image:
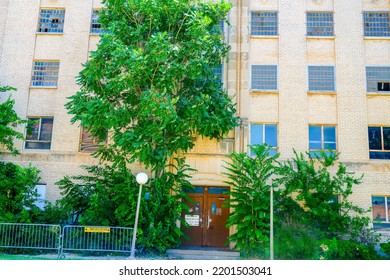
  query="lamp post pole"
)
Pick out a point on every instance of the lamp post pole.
point(141, 178)
point(271, 240)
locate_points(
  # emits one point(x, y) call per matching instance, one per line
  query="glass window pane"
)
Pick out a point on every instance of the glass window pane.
point(329, 137)
point(378, 208)
point(33, 129)
point(46, 129)
point(386, 138)
point(271, 135)
point(214, 190)
point(375, 138)
point(315, 139)
point(256, 134)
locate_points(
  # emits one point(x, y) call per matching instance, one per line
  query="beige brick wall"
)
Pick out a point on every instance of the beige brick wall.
point(350, 108)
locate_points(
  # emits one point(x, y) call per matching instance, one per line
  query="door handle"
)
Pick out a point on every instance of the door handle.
point(208, 221)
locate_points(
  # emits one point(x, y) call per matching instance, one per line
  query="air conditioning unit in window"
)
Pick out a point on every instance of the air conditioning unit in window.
point(383, 86)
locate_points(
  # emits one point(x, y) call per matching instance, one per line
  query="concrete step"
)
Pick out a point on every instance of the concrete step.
point(202, 254)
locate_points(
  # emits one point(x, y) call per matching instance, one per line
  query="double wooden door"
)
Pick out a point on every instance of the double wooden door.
point(207, 217)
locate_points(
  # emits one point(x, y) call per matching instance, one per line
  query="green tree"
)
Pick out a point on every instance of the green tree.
point(108, 196)
point(18, 193)
point(250, 179)
point(313, 208)
point(151, 83)
point(9, 120)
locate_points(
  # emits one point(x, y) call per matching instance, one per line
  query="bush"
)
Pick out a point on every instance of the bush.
point(18, 194)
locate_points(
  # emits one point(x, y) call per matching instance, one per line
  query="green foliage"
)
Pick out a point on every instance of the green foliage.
point(341, 249)
point(322, 193)
point(250, 179)
point(9, 120)
point(18, 193)
point(151, 81)
point(385, 247)
point(108, 196)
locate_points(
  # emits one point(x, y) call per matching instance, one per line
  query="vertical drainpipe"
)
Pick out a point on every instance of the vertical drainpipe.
point(238, 71)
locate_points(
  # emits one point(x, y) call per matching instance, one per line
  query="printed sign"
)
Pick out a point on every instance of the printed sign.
point(97, 229)
point(192, 220)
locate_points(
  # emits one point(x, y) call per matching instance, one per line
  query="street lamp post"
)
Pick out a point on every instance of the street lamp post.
point(141, 178)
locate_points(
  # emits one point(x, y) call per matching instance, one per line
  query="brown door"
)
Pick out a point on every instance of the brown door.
point(207, 218)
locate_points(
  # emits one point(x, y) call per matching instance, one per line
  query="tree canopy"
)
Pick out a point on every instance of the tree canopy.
point(151, 82)
point(9, 120)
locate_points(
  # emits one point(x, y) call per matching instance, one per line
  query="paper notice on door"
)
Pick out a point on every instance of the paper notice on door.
point(192, 220)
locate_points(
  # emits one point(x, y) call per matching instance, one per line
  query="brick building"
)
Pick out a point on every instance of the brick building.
point(305, 74)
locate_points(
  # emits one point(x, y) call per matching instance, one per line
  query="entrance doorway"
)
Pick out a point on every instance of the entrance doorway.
point(207, 218)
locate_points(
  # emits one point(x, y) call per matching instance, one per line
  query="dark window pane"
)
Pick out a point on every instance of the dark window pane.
point(218, 190)
point(378, 208)
point(375, 138)
point(379, 155)
point(46, 129)
point(386, 138)
point(329, 137)
point(38, 145)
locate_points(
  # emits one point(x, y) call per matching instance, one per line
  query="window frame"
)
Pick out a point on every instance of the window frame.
point(320, 28)
point(310, 79)
point(367, 25)
point(51, 30)
point(315, 151)
point(377, 74)
point(95, 21)
point(387, 208)
point(273, 149)
point(44, 78)
point(39, 134)
point(89, 147)
point(263, 80)
point(384, 152)
point(272, 32)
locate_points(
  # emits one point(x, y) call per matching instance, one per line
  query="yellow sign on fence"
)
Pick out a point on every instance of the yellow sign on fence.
point(97, 229)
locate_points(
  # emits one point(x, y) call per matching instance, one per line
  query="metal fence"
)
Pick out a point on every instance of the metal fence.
point(96, 238)
point(67, 238)
point(30, 236)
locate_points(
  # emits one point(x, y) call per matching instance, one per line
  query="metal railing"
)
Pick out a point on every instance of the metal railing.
point(96, 238)
point(30, 236)
point(67, 238)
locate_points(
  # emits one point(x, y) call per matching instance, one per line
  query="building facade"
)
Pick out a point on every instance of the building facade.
point(307, 75)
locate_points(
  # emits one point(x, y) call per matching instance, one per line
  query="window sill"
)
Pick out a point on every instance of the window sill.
point(263, 91)
point(387, 38)
point(43, 87)
point(320, 37)
point(259, 37)
point(383, 93)
point(50, 33)
point(321, 93)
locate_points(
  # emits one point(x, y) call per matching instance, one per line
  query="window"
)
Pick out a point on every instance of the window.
point(45, 74)
point(321, 138)
point(264, 77)
point(39, 133)
point(88, 143)
point(321, 78)
point(218, 73)
point(319, 24)
point(41, 190)
point(96, 27)
point(265, 134)
point(264, 24)
point(381, 209)
point(376, 24)
point(378, 79)
point(379, 142)
point(51, 21)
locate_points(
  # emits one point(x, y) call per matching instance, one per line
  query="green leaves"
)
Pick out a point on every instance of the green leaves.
point(151, 83)
point(9, 121)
